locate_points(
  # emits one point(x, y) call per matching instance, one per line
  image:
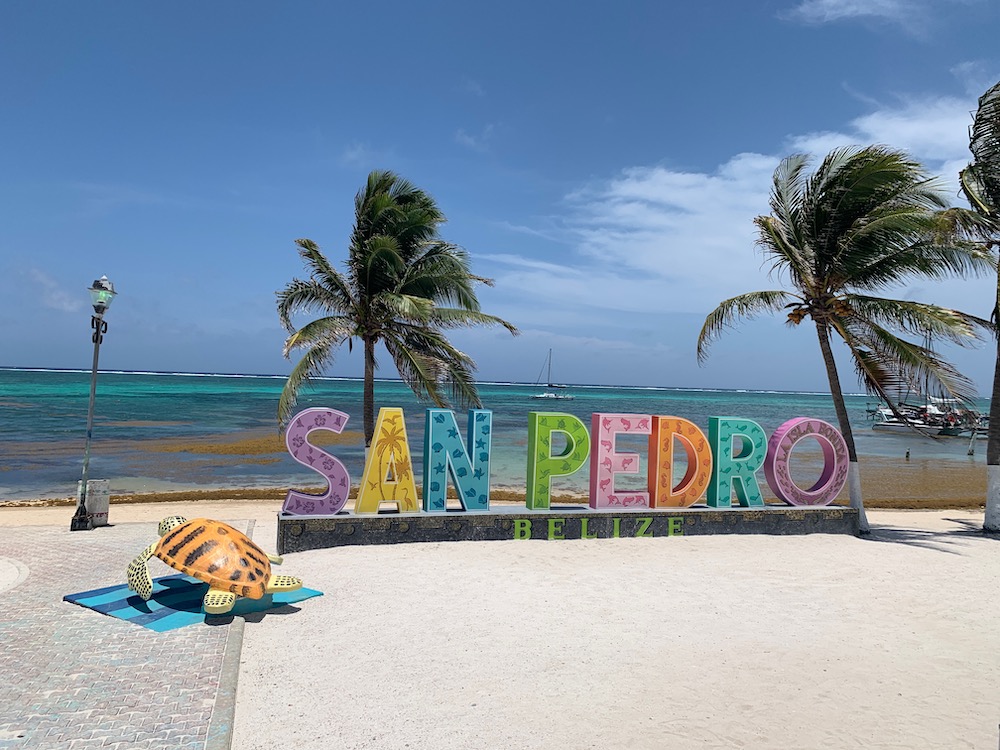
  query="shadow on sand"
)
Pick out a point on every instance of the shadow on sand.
point(941, 540)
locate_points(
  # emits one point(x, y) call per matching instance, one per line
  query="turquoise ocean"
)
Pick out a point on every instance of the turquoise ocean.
point(143, 421)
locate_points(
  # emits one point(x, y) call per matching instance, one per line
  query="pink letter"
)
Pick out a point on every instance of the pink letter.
point(779, 448)
point(605, 463)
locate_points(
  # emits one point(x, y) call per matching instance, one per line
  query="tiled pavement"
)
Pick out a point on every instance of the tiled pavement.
point(73, 679)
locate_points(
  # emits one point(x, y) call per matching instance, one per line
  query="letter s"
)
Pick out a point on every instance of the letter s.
point(307, 454)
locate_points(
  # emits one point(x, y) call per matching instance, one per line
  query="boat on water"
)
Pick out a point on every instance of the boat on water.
point(556, 392)
point(939, 417)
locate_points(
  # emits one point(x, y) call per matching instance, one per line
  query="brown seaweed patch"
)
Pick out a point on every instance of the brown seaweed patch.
point(257, 445)
point(141, 423)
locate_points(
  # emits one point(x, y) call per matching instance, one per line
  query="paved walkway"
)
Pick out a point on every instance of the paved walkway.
point(72, 678)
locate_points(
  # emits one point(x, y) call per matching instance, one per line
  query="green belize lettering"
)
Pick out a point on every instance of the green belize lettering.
point(556, 528)
point(522, 528)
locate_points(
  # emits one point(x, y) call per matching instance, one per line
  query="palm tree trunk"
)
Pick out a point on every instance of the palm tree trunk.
point(853, 471)
point(992, 519)
point(369, 393)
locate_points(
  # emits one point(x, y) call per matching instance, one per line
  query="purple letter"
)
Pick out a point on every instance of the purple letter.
point(335, 473)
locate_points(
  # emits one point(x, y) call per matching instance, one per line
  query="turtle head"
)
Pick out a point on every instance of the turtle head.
point(170, 522)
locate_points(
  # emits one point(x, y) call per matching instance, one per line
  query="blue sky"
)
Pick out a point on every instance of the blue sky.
point(602, 165)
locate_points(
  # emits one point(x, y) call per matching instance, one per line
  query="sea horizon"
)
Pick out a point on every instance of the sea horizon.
point(380, 379)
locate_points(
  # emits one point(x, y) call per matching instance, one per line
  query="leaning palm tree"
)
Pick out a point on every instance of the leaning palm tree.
point(404, 287)
point(981, 185)
point(865, 220)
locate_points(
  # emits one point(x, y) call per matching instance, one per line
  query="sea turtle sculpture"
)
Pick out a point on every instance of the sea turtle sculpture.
point(215, 553)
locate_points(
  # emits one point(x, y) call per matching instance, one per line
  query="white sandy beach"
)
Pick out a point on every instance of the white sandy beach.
point(815, 641)
point(716, 641)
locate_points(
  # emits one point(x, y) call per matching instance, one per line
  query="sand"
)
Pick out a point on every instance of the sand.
point(701, 642)
point(764, 642)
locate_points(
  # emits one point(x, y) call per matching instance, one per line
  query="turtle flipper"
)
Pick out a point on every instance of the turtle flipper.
point(282, 583)
point(218, 602)
point(139, 579)
point(275, 559)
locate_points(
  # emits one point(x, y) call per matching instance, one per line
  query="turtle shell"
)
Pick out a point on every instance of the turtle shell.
point(217, 554)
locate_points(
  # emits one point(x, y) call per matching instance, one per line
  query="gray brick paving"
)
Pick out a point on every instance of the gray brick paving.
point(72, 679)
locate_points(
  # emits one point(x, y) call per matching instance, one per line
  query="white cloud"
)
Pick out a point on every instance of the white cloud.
point(471, 86)
point(976, 76)
point(934, 130)
point(357, 154)
point(670, 240)
point(478, 142)
point(824, 11)
point(914, 16)
point(656, 240)
point(52, 295)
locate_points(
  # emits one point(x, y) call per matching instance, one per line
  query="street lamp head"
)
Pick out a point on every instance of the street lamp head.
point(102, 293)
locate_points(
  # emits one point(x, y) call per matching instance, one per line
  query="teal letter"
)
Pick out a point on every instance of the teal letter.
point(735, 471)
point(522, 528)
point(445, 455)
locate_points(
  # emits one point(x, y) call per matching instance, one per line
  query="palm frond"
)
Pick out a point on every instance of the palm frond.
point(308, 296)
point(899, 360)
point(920, 319)
point(450, 318)
point(404, 307)
point(745, 306)
point(312, 364)
point(426, 359)
point(984, 143)
point(334, 330)
point(974, 190)
point(322, 270)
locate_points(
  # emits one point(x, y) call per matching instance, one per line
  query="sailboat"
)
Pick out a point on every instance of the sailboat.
point(554, 393)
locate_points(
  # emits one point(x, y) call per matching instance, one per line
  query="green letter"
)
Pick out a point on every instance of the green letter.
point(522, 528)
point(674, 527)
point(616, 527)
point(583, 529)
point(542, 464)
point(644, 527)
point(555, 528)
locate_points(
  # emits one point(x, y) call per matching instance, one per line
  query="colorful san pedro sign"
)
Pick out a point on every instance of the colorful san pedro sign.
point(720, 465)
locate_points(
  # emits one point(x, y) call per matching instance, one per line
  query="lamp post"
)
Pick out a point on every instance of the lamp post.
point(102, 293)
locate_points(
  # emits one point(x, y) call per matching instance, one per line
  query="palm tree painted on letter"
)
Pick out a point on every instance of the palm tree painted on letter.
point(981, 185)
point(865, 220)
point(404, 287)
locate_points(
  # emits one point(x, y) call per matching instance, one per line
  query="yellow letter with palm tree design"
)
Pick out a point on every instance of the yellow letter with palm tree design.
point(388, 476)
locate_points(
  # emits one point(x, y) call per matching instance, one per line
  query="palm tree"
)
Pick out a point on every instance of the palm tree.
point(863, 221)
point(981, 185)
point(404, 287)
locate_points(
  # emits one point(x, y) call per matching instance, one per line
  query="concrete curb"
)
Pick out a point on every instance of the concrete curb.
point(220, 728)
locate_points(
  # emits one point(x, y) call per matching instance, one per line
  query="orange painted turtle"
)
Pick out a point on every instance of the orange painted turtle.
point(213, 552)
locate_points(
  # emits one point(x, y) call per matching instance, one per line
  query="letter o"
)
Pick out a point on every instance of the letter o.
point(835, 461)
